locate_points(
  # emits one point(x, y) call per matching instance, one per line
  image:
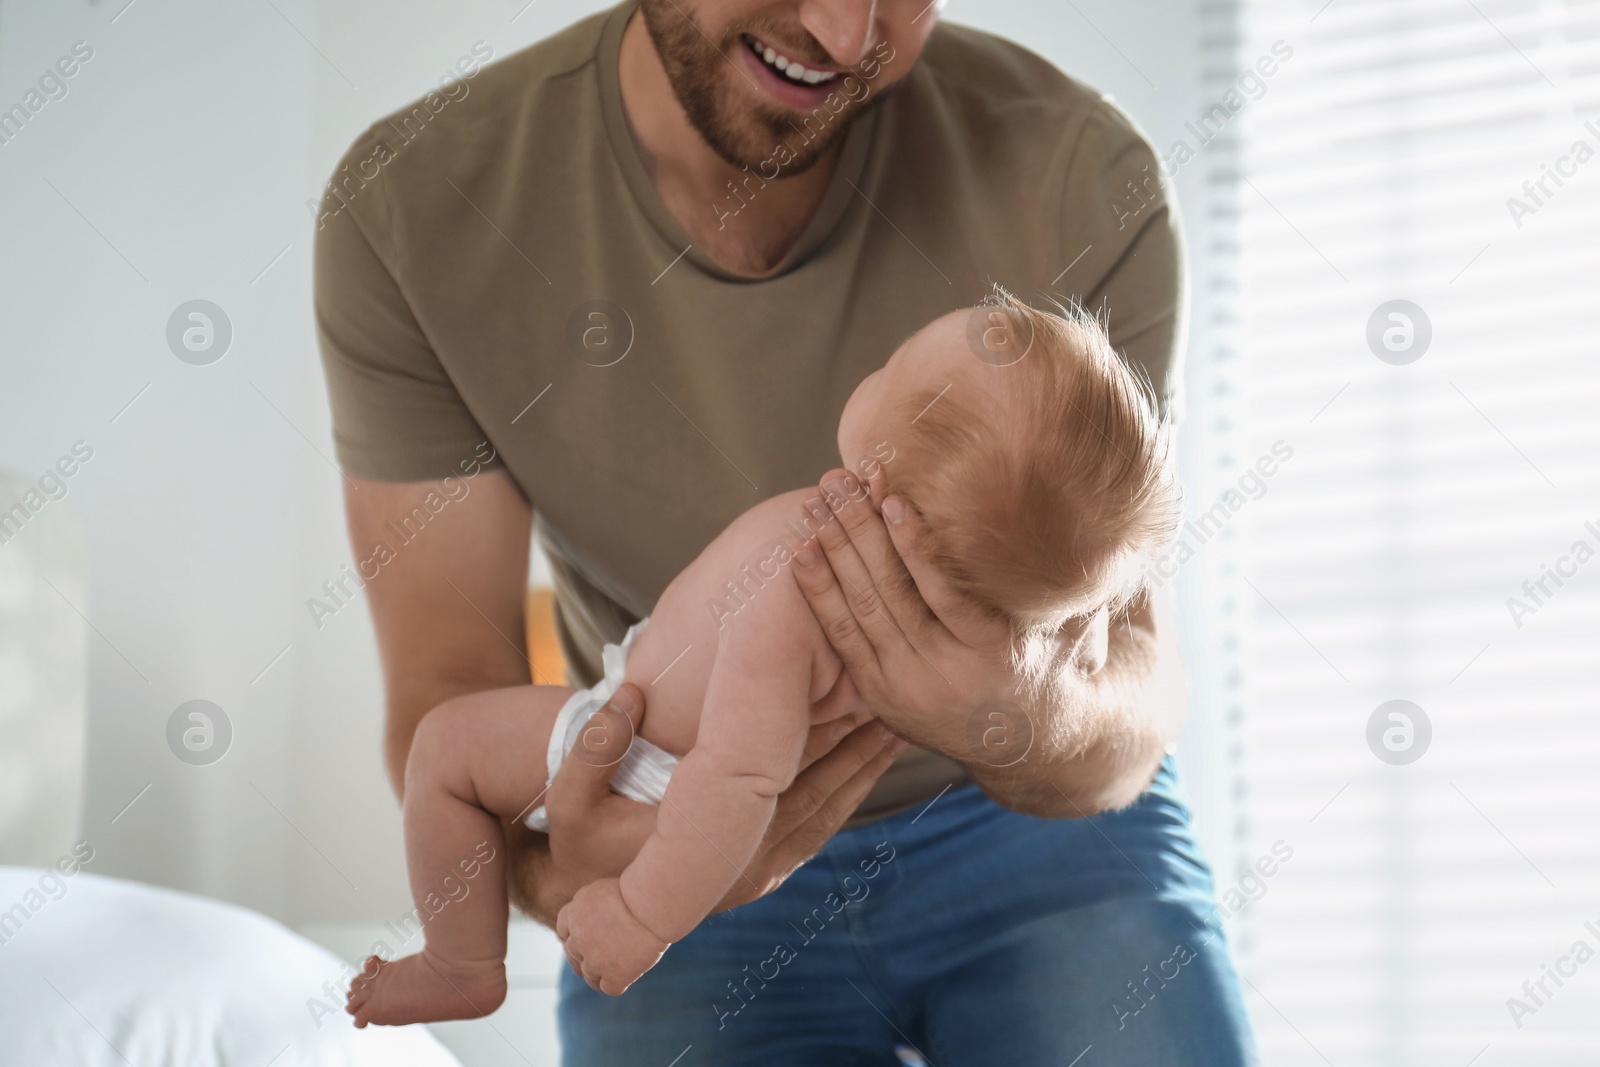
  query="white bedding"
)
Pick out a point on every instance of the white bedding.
point(98, 971)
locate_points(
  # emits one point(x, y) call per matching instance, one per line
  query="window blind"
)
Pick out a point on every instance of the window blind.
point(1418, 580)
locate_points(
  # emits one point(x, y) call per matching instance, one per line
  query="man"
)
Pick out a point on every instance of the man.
point(635, 271)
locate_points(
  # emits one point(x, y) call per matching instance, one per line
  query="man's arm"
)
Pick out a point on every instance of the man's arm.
point(1051, 740)
point(447, 605)
point(1100, 736)
point(448, 609)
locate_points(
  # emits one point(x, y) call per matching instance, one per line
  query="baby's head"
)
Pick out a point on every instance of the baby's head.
point(1034, 454)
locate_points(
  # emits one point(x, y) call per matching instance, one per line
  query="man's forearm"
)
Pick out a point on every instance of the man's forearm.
point(1094, 742)
point(530, 882)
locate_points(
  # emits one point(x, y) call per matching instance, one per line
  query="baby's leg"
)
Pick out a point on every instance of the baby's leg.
point(474, 760)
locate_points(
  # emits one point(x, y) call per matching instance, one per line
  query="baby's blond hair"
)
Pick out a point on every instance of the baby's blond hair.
point(1044, 493)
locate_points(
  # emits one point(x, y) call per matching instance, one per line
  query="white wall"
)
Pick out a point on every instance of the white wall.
point(189, 144)
point(145, 187)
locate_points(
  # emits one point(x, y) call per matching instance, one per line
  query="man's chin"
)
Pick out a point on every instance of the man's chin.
point(743, 125)
point(772, 140)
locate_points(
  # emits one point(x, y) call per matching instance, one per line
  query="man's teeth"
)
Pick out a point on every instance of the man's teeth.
point(792, 70)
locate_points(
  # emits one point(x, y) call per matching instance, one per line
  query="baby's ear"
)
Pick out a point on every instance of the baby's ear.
point(1091, 645)
point(872, 477)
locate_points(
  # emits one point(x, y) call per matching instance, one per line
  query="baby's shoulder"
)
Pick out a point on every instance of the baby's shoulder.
point(741, 592)
point(781, 515)
point(748, 566)
point(766, 537)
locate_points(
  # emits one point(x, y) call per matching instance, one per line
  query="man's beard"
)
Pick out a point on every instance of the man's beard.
point(744, 133)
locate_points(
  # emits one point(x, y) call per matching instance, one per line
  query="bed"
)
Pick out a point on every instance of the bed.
point(100, 971)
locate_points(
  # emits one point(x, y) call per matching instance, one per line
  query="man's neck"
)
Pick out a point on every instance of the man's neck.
point(746, 235)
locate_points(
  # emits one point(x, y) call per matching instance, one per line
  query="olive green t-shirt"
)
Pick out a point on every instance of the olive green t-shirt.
point(494, 264)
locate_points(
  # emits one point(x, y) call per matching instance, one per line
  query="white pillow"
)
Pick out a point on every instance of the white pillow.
point(99, 971)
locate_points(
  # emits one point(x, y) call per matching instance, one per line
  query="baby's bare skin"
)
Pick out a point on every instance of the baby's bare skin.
point(424, 989)
point(672, 657)
point(481, 758)
point(735, 671)
point(741, 667)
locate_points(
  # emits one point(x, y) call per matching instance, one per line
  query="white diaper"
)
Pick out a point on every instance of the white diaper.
point(644, 771)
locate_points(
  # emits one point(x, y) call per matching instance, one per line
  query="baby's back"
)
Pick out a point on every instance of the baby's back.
point(747, 569)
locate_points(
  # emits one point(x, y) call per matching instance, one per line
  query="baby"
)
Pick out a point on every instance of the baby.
point(1039, 465)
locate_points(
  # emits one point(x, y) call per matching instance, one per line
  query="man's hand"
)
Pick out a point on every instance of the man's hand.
point(595, 833)
point(938, 670)
point(925, 658)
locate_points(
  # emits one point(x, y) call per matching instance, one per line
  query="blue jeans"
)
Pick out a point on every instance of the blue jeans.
point(963, 931)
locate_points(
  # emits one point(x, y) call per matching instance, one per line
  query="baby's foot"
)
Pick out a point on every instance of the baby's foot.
point(424, 989)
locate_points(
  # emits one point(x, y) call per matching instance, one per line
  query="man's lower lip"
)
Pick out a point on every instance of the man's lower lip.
point(795, 94)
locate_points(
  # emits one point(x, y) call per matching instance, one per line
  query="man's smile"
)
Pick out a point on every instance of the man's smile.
point(792, 82)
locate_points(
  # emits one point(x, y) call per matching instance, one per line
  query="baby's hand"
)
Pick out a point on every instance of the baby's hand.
point(606, 945)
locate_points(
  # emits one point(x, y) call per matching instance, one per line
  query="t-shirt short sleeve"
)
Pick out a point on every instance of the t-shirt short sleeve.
point(1120, 217)
point(397, 417)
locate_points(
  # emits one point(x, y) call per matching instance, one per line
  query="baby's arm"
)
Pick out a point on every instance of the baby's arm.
point(751, 736)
